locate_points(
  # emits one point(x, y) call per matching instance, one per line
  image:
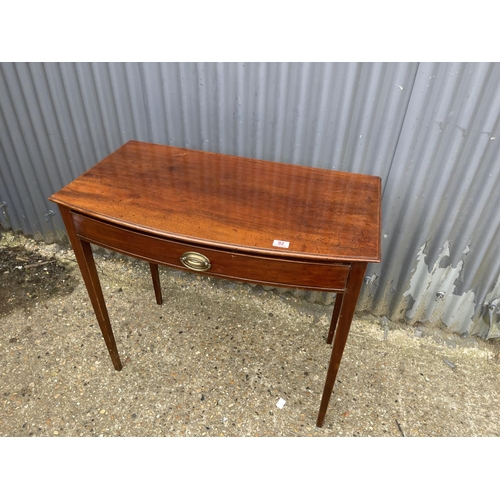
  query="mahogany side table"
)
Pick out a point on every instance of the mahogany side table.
point(237, 218)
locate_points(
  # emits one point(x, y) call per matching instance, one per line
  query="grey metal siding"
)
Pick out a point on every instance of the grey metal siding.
point(429, 130)
point(440, 207)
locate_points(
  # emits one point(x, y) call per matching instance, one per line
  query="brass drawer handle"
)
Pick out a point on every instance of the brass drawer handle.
point(195, 261)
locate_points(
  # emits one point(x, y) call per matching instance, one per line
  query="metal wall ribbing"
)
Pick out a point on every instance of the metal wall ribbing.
point(429, 130)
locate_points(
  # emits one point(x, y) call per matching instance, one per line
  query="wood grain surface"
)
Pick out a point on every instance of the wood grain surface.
point(232, 202)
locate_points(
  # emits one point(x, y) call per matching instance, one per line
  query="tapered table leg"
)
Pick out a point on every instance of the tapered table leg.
point(335, 316)
point(155, 275)
point(350, 298)
point(85, 259)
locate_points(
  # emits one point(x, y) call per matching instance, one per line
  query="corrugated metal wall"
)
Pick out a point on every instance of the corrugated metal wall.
point(429, 130)
point(441, 218)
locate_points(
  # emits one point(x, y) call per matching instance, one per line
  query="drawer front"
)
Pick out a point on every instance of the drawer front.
point(223, 263)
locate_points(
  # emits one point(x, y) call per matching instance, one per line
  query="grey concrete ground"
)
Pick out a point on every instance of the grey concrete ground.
point(215, 359)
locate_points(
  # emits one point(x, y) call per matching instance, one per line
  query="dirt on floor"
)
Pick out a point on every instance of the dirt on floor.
point(216, 358)
point(27, 276)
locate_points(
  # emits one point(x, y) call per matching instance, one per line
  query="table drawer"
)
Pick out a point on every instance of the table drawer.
point(223, 263)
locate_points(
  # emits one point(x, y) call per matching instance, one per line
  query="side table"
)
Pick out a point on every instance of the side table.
point(237, 218)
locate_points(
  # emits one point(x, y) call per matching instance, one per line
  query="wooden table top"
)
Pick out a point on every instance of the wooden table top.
point(231, 202)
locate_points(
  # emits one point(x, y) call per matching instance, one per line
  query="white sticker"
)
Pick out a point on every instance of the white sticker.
point(282, 244)
point(280, 403)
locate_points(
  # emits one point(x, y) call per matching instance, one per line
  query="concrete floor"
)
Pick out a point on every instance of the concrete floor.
point(215, 359)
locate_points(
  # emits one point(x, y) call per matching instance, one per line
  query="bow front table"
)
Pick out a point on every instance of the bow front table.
point(237, 218)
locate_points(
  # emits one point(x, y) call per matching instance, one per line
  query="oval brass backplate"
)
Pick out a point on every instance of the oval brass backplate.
point(195, 261)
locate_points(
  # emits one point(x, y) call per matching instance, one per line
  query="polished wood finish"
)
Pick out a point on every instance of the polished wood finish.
point(225, 264)
point(349, 300)
point(231, 202)
point(335, 316)
point(158, 202)
point(85, 259)
point(155, 274)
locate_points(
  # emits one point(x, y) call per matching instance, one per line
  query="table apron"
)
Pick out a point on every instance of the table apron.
point(330, 277)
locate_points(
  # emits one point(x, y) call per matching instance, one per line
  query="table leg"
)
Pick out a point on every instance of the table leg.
point(85, 259)
point(350, 298)
point(335, 316)
point(156, 282)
